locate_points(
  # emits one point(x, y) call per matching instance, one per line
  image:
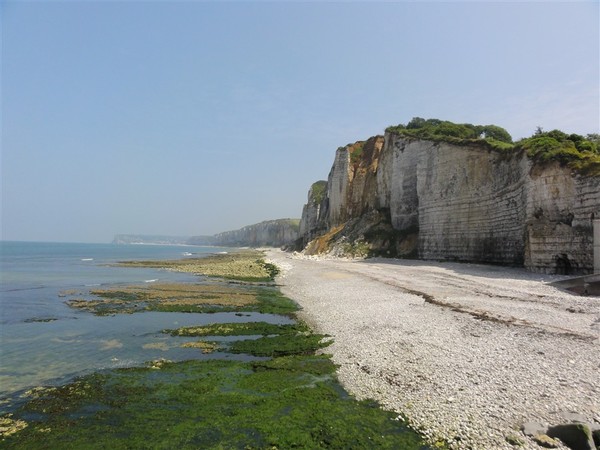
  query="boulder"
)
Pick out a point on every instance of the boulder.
point(577, 436)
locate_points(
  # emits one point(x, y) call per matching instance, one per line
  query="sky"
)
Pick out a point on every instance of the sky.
point(192, 118)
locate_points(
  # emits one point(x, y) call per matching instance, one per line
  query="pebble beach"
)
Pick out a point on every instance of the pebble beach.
point(466, 353)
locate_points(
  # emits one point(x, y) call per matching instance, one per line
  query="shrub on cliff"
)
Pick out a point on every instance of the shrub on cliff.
point(356, 152)
point(575, 151)
point(495, 132)
point(460, 134)
point(317, 191)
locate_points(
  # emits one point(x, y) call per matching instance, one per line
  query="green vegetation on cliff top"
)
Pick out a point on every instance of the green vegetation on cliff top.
point(575, 151)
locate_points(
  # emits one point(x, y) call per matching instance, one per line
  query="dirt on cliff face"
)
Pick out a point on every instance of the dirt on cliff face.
point(369, 235)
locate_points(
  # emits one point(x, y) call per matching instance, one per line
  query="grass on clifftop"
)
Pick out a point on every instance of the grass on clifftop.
point(490, 136)
point(577, 152)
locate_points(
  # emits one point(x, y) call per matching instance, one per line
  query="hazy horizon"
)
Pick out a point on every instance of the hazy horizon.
point(194, 118)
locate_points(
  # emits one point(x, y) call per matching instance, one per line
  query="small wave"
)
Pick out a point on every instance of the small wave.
point(186, 254)
point(150, 281)
point(23, 289)
point(92, 285)
point(40, 319)
point(87, 259)
point(222, 253)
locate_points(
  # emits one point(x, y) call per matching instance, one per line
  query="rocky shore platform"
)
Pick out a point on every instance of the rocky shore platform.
point(481, 357)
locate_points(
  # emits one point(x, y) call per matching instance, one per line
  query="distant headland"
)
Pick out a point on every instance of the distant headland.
point(269, 233)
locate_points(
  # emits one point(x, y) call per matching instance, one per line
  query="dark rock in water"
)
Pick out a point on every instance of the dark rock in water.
point(577, 436)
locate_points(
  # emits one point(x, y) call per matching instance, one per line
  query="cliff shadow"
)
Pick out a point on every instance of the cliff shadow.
point(586, 285)
point(477, 270)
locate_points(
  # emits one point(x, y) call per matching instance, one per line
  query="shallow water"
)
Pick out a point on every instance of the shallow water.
point(54, 352)
point(43, 341)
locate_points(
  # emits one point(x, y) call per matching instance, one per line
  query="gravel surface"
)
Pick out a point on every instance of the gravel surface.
point(466, 352)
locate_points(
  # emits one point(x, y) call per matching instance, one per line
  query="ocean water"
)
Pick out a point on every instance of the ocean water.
point(44, 342)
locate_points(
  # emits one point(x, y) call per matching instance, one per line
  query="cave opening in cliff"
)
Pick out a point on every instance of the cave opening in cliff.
point(563, 265)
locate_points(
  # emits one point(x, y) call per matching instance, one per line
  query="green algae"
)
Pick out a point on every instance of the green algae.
point(246, 265)
point(276, 340)
point(10, 426)
point(184, 297)
point(291, 402)
point(257, 294)
point(205, 346)
point(279, 345)
point(240, 329)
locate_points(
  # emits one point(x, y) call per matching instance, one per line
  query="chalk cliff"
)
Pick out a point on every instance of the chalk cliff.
point(397, 195)
point(270, 233)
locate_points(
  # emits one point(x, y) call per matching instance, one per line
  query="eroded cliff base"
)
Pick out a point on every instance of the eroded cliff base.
point(369, 235)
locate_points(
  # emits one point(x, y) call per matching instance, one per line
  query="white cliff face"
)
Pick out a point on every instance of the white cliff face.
point(397, 180)
point(337, 187)
point(314, 213)
point(561, 208)
point(471, 205)
point(467, 203)
point(353, 180)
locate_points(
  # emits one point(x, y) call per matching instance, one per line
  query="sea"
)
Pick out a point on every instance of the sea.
point(45, 342)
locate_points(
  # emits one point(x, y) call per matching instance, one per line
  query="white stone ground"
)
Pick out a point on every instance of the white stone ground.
point(467, 352)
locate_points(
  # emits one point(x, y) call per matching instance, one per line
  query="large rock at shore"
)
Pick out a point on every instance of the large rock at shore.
point(577, 436)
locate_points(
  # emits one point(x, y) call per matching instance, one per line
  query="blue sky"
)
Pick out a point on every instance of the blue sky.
point(189, 118)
